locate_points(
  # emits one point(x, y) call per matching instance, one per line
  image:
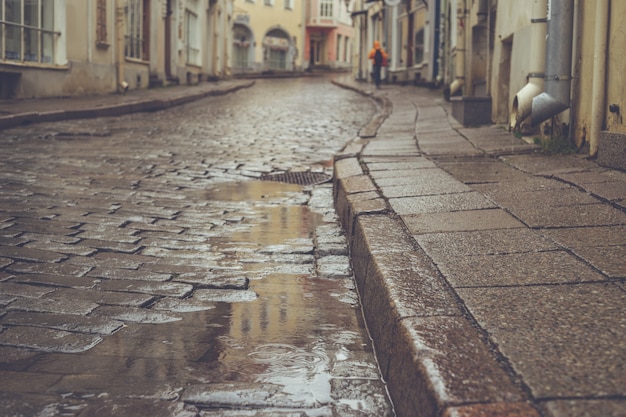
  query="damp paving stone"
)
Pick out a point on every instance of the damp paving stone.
point(334, 266)
point(440, 203)
point(128, 274)
point(134, 315)
point(611, 260)
point(66, 322)
point(23, 290)
point(56, 280)
point(176, 305)
point(292, 258)
point(98, 296)
point(359, 397)
point(51, 305)
point(460, 221)
point(571, 216)
point(40, 237)
point(330, 248)
point(6, 299)
point(63, 248)
point(224, 296)
point(556, 321)
point(290, 269)
point(31, 255)
point(111, 246)
point(554, 267)
point(483, 242)
point(117, 235)
point(166, 289)
point(288, 249)
point(245, 396)
point(214, 281)
point(64, 268)
point(573, 237)
point(112, 260)
point(483, 171)
point(48, 340)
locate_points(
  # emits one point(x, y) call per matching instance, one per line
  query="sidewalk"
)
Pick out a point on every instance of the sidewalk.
point(491, 274)
point(17, 112)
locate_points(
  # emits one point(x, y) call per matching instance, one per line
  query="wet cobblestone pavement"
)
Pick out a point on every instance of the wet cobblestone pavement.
point(145, 270)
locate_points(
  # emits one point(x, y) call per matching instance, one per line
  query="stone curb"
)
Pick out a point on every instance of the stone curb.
point(146, 105)
point(434, 360)
point(385, 108)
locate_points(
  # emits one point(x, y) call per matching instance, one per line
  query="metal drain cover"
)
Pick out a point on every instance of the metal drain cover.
point(300, 178)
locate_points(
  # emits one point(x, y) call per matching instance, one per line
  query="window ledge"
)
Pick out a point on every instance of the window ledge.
point(17, 65)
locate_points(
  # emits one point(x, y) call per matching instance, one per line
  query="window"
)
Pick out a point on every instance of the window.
point(101, 23)
point(326, 8)
point(191, 38)
point(288, 4)
point(276, 44)
point(137, 29)
point(419, 46)
point(277, 59)
point(268, 2)
point(27, 32)
point(338, 48)
point(241, 46)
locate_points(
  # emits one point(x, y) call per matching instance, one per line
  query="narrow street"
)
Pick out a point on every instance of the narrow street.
point(147, 268)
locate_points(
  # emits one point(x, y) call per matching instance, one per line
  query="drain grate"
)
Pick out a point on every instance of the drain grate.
point(300, 178)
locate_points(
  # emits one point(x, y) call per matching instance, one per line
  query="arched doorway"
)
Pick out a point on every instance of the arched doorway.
point(242, 48)
point(278, 51)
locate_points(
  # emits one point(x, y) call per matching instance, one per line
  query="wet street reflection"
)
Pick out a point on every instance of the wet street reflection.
point(292, 341)
point(146, 270)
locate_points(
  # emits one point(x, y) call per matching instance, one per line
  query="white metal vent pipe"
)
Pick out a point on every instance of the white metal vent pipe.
point(556, 96)
point(522, 103)
point(461, 48)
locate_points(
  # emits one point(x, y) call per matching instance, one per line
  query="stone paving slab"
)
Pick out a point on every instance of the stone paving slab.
point(460, 221)
point(440, 203)
point(62, 322)
point(557, 321)
point(573, 237)
point(482, 171)
point(48, 340)
point(553, 267)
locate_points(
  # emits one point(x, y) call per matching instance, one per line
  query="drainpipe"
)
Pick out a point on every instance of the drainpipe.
point(556, 96)
point(122, 85)
point(459, 80)
point(598, 98)
point(522, 103)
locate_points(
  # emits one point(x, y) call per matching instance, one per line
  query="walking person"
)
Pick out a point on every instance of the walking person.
point(379, 59)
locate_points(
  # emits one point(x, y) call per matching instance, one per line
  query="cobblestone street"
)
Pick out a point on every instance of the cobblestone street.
point(145, 270)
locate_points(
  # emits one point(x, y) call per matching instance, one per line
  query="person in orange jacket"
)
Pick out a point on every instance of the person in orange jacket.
point(379, 59)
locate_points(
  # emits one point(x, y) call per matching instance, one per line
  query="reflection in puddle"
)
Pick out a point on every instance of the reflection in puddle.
point(291, 340)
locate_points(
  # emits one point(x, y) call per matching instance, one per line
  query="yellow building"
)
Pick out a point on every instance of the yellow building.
point(75, 47)
point(268, 36)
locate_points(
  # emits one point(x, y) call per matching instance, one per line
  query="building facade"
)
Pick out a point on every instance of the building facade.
point(75, 47)
point(551, 69)
point(268, 36)
point(329, 35)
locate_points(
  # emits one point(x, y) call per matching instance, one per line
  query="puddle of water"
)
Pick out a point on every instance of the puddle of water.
point(286, 342)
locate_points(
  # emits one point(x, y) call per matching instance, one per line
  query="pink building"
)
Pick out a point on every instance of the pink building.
point(329, 35)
